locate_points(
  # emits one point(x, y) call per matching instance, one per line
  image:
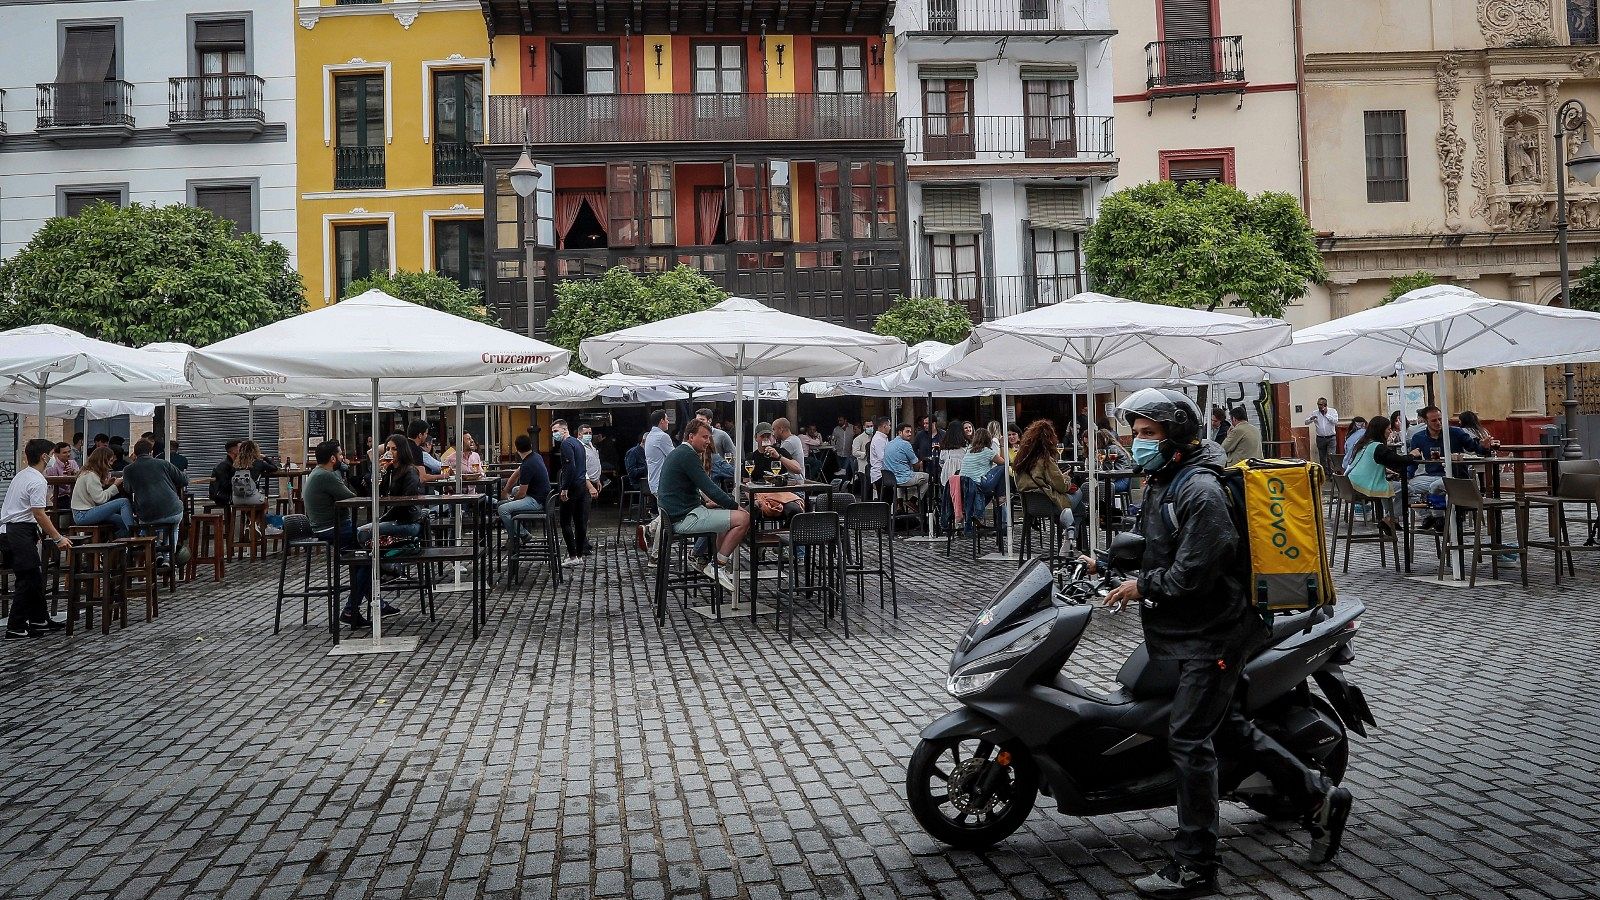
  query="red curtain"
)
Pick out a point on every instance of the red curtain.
point(570, 203)
point(708, 214)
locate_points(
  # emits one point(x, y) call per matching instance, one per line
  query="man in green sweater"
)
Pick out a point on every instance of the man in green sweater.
point(683, 482)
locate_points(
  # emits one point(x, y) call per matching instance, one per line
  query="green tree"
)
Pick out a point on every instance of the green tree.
point(1586, 289)
point(1404, 284)
point(1203, 245)
point(622, 299)
point(148, 273)
point(428, 289)
point(918, 319)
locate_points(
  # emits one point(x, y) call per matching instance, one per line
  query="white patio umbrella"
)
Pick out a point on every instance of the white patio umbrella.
point(741, 338)
point(373, 341)
point(71, 409)
point(1097, 339)
point(52, 361)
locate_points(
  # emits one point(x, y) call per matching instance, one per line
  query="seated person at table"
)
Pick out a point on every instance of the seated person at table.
point(398, 465)
point(155, 489)
point(794, 450)
point(1371, 458)
point(176, 458)
point(1036, 470)
point(471, 461)
point(96, 499)
point(771, 460)
point(1428, 444)
point(900, 460)
point(683, 484)
point(984, 469)
point(527, 489)
point(635, 467)
point(249, 467)
point(61, 465)
point(324, 488)
point(221, 486)
point(119, 446)
point(429, 468)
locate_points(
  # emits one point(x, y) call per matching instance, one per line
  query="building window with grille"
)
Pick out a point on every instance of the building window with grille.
point(1198, 166)
point(1188, 51)
point(1047, 111)
point(230, 202)
point(874, 212)
point(1055, 264)
point(458, 251)
point(360, 250)
point(954, 261)
point(359, 139)
point(457, 127)
point(1386, 156)
point(947, 122)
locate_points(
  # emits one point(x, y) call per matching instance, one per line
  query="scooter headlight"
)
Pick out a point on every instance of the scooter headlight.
point(961, 685)
point(964, 681)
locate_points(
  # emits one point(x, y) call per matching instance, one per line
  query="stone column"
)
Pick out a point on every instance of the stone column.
point(1527, 382)
point(1344, 387)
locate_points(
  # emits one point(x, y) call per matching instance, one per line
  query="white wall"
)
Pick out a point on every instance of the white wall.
point(155, 164)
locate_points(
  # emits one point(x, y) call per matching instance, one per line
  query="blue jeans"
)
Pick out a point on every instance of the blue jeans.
point(984, 490)
point(117, 511)
point(340, 539)
point(176, 524)
point(511, 508)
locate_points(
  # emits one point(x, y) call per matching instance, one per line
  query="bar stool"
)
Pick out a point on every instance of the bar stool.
point(674, 554)
point(861, 520)
point(1580, 483)
point(247, 526)
point(140, 569)
point(208, 543)
point(1039, 513)
point(97, 574)
point(299, 538)
point(631, 506)
point(820, 533)
point(543, 548)
point(166, 548)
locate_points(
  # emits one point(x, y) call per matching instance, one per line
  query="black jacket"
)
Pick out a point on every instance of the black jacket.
point(1194, 574)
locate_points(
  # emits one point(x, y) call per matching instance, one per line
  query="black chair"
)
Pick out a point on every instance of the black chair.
point(1345, 502)
point(631, 506)
point(1040, 516)
point(819, 533)
point(298, 538)
point(1579, 483)
point(543, 548)
point(673, 573)
point(1467, 502)
point(871, 519)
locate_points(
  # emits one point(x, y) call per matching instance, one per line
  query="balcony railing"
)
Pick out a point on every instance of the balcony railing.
point(683, 118)
point(990, 16)
point(85, 104)
point(1194, 62)
point(358, 167)
point(456, 162)
point(994, 296)
point(215, 98)
point(1006, 137)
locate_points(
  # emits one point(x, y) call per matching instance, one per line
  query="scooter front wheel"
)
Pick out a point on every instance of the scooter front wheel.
point(970, 793)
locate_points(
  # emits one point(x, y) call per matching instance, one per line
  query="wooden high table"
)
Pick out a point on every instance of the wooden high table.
point(449, 553)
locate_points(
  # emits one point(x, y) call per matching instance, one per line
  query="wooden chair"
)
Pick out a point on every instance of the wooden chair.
point(208, 543)
point(140, 571)
point(247, 526)
point(97, 575)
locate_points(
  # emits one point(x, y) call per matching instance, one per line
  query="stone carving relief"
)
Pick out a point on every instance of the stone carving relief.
point(1521, 147)
point(1513, 173)
point(1516, 23)
point(1449, 144)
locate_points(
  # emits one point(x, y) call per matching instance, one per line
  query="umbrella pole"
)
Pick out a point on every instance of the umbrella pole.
point(738, 467)
point(1444, 436)
point(42, 390)
point(461, 452)
point(372, 587)
point(1094, 479)
point(250, 418)
point(1005, 474)
point(1072, 423)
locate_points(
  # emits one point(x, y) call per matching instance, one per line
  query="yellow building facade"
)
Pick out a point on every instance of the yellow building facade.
point(391, 105)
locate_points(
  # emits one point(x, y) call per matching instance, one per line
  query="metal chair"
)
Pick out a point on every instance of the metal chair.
point(674, 573)
point(1464, 497)
point(861, 520)
point(1344, 502)
point(544, 547)
point(820, 533)
point(1039, 513)
point(1579, 483)
point(631, 506)
point(299, 538)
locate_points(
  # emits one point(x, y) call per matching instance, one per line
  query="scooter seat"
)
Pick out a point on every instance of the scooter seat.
point(1146, 678)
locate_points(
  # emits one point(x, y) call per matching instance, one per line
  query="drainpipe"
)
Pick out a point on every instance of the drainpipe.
point(1300, 110)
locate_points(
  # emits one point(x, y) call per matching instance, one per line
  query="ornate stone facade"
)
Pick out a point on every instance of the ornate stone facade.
point(1516, 23)
point(1449, 144)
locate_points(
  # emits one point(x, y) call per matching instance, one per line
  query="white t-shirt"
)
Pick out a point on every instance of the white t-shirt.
point(797, 452)
point(28, 492)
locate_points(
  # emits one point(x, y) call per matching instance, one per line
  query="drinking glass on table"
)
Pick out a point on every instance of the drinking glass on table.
point(749, 469)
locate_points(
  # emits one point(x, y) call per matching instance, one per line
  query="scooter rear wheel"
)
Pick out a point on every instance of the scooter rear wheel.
point(970, 793)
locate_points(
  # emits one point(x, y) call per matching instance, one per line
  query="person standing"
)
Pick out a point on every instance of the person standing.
point(574, 493)
point(593, 471)
point(925, 443)
point(841, 438)
point(875, 451)
point(77, 448)
point(861, 451)
point(1196, 612)
point(1244, 439)
point(1325, 426)
point(721, 441)
point(657, 446)
point(634, 466)
point(25, 515)
point(1219, 425)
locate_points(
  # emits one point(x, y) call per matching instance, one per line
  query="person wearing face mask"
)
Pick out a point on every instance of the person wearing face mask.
point(575, 493)
point(1196, 612)
point(592, 470)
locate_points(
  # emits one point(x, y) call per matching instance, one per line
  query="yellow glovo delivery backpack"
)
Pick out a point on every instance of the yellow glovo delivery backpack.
point(1277, 506)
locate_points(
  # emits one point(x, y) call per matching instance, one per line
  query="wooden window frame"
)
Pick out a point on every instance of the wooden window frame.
point(1226, 154)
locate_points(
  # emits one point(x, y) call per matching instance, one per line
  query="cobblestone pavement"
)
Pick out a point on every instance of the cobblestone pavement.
point(577, 750)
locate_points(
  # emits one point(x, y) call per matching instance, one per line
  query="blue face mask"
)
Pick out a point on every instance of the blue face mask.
point(1147, 454)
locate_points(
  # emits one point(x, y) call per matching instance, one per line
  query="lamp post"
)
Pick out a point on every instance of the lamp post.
point(1572, 118)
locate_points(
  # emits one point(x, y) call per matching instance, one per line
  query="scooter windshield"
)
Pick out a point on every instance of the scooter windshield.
point(1029, 591)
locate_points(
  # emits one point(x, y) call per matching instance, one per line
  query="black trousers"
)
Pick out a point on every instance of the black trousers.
point(575, 521)
point(27, 605)
point(1325, 451)
point(1207, 720)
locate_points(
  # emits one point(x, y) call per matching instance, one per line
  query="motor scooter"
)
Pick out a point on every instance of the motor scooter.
point(1025, 729)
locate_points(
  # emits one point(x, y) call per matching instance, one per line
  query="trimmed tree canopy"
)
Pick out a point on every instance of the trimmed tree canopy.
point(429, 289)
point(1203, 245)
point(918, 319)
point(621, 299)
point(148, 273)
point(1401, 285)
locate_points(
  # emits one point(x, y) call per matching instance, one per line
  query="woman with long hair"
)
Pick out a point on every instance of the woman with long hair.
point(952, 450)
point(471, 462)
point(1473, 426)
point(982, 470)
point(1370, 459)
point(94, 495)
point(398, 462)
point(1037, 470)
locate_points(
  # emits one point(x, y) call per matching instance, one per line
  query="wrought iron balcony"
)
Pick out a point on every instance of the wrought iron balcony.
point(1006, 137)
point(355, 168)
point(686, 17)
point(222, 104)
point(686, 118)
point(456, 162)
point(1215, 63)
point(93, 109)
point(990, 17)
point(995, 296)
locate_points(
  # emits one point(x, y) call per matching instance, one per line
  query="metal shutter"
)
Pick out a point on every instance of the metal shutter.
point(1057, 208)
point(952, 210)
point(89, 56)
point(229, 34)
point(229, 202)
point(1183, 20)
point(948, 71)
point(1201, 169)
point(202, 432)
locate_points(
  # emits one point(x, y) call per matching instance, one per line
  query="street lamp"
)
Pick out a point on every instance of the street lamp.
point(1572, 118)
point(525, 175)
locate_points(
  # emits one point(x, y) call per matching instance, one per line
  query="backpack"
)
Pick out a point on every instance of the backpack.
point(1366, 473)
point(242, 488)
point(1276, 505)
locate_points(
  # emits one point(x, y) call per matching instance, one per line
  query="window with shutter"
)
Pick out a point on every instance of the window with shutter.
point(1215, 164)
point(229, 202)
point(1386, 156)
point(1056, 208)
point(76, 201)
point(1188, 51)
point(951, 210)
point(88, 61)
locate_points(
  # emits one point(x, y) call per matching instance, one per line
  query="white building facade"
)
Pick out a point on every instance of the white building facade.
point(1006, 107)
point(147, 101)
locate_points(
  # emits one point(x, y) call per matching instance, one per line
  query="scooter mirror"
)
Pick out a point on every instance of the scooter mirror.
point(1126, 552)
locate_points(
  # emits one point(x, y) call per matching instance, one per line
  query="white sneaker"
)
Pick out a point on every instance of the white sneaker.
point(571, 561)
point(273, 531)
point(725, 578)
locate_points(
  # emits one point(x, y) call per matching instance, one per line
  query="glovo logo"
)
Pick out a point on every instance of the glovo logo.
point(1280, 531)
